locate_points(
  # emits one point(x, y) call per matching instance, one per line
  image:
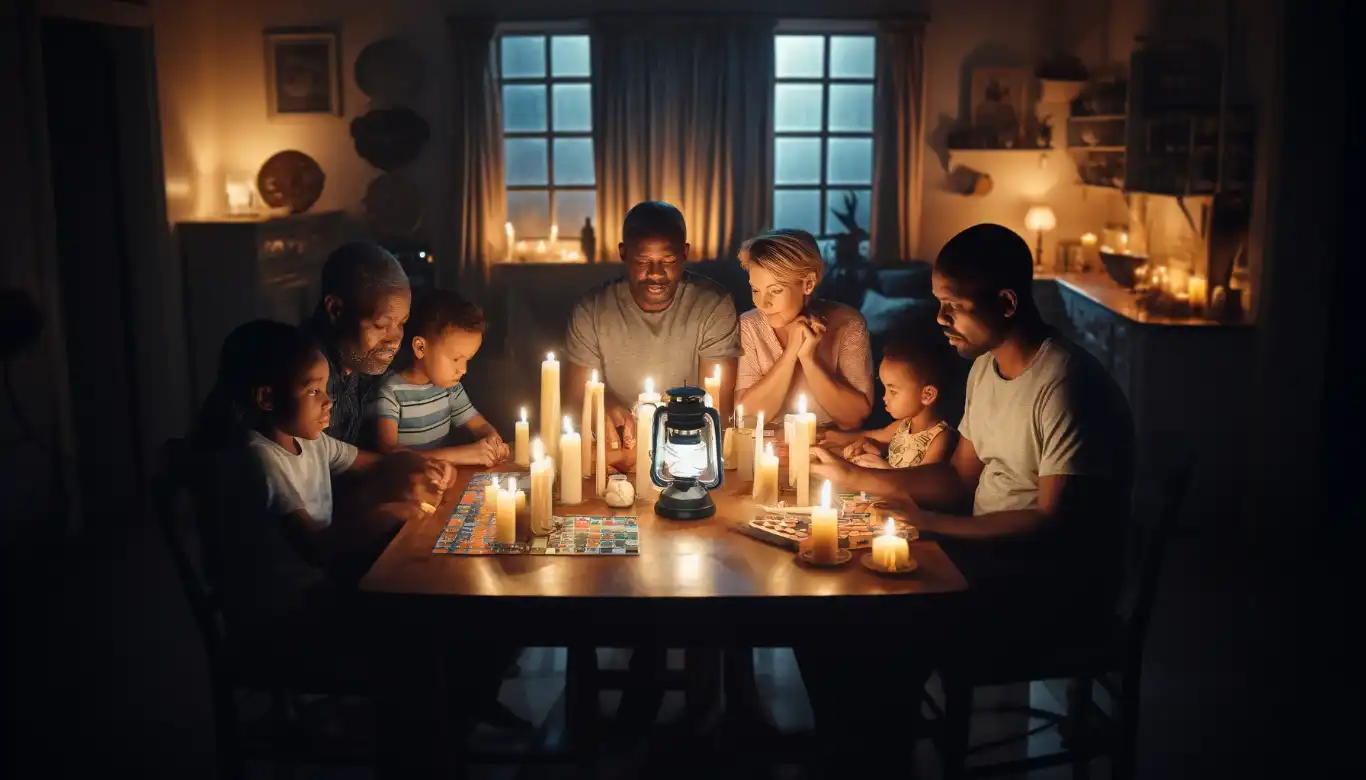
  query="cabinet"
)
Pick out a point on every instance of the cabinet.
point(237, 270)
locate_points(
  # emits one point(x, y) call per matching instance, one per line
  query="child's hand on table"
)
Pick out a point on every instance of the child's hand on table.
point(870, 461)
point(859, 446)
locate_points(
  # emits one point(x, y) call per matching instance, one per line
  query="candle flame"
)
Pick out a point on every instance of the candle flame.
point(550, 357)
point(759, 426)
point(523, 414)
point(716, 374)
point(740, 415)
point(825, 495)
point(768, 448)
point(540, 246)
point(554, 233)
point(568, 426)
point(512, 484)
point(649, 385)
point(537, 449)
point(595, 376)
point(801, 404)
point(891, 527)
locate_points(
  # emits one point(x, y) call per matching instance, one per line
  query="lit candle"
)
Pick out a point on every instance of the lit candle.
point(1198, 289)
point(491, 491)
point(1124, 242)
point(744, 454)
point(571, 465)
point(591, 388)
point(521, 440)
point(739, 415)
point(600, 470)
point(645, 418)
point(766, 478)
point(712, 384)
point(505, 520)
point(550, 405)
point(542, 490)
point(1178, 281)
point(889, 550)
point(758, 443)
point(799, 452)
point(1088, 250)
point(554, 233)
point(511, 234)
point(728, 446)
point(540, 249)
point(825, 541)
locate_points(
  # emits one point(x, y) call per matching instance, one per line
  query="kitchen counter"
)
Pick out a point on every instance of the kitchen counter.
point(1101, 289)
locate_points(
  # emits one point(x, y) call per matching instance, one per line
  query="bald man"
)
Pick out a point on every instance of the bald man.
point(359, 322)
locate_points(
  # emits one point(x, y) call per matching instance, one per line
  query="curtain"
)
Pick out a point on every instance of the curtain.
point(682, 112)
point(479, 190)
point(899, 142)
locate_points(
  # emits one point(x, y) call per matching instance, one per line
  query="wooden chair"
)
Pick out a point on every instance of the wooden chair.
point(1115, 663)
point(230, 670)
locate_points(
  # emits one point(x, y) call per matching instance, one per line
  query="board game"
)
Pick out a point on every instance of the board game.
point(858, 524)
point(470, 529)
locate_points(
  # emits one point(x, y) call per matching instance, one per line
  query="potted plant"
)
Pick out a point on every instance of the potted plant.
point(1061, 78)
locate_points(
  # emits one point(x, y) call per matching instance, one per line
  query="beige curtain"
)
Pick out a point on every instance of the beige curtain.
point(899, 143)
point(480, 197)
point(682, 111)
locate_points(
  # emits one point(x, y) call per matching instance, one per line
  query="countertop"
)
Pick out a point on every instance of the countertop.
point(1103, 290)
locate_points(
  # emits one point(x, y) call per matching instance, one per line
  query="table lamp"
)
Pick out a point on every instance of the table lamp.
point(686, 442)
point(1041, 220)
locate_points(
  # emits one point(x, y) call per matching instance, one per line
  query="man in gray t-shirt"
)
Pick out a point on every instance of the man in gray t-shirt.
point(658, 321)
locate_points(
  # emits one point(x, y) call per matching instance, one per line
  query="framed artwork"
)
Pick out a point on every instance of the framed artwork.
point(303, 72)
point(1000, 103)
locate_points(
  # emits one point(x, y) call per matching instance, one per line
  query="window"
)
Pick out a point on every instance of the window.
point(547, 134)
point(823, 133)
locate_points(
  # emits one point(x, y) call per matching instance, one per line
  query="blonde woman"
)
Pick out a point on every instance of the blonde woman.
point(795, 345)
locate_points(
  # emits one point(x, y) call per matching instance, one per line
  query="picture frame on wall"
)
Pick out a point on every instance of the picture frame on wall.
point(1000, 103)
point(303, 72)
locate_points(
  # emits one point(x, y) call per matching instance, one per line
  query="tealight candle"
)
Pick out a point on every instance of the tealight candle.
point(521, 454)
point(825, 541)
point(890, 551)
point(571, 465)
point(505, 519)
point(766, 478)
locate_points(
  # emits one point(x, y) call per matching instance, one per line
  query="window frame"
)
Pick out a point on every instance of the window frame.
point(549, 135)
point(826, 33)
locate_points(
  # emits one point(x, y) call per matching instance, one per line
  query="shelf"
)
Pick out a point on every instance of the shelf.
point(1098, 118)
point(953, 149)
point(1095, 149)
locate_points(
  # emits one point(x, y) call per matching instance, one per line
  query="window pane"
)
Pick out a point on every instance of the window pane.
point(529, 213)
point(574, 161)
point(572, 207)
point(523, 56)
point(569, 56)
point(797, 161)
point(797, 107)
point(799, 56)
point(573, 107)
point(524, 108)
point(526, 161)
point(851, 56)
point(797, 209)
point(849, 161)
point(851, 108)
point(835, 201)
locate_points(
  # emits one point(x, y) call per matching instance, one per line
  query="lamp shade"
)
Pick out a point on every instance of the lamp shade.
point(1040, 218)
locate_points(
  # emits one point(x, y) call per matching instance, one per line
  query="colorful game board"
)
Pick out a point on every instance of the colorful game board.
point(470, 530)
point(857, 525)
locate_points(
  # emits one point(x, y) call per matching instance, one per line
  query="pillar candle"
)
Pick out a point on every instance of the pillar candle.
point(1198, 287)
point(491, 491)
point(728, 450)
point(799, 455)
point(825, 541)
point(542, 490)
point(505, 520)
point(645, 416)
point(889, 550)
point(550, 406)
point(591, 388)
point(571, 465)
point(744, 454)
point(521, 454)
point(712, 384)
point(758, 443)
point(766, 478)
point(601, 435)
point(511, 234)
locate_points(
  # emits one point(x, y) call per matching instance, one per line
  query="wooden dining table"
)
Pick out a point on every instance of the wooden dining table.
point(693, 583)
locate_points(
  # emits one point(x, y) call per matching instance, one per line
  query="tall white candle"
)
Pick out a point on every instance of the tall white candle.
point(825, 542)
point(739, 415)
point(512, 237)
point(571, 474)
point(591, 389)
point(712, 384)
point(521, 454)
point(744, 454)
point(554, 234)
point(766, 478)
point(799, 456)
point(505, 520)
point(550, 406)
point(758, 441)
point(645, 415)
point(542, 490)
point(600, 469)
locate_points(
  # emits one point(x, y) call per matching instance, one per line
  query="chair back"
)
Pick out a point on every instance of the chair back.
point(1153, 549)
point(174, 491)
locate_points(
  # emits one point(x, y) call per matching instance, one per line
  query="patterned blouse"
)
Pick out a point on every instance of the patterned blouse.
point(843, 351)
point(908, 449)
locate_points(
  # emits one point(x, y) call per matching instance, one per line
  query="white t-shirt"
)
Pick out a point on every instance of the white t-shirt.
point(302, 481)
point(1062, 415)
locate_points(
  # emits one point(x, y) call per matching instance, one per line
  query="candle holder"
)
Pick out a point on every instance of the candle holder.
point(906, 568)
point(842, 556)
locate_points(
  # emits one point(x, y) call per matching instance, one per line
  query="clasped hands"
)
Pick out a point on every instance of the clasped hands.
point(804, 334)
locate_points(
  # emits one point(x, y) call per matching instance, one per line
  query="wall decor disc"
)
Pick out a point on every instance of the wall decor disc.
point(393, 206)
point(390, 138)
point(290, 179)
point(389, 70)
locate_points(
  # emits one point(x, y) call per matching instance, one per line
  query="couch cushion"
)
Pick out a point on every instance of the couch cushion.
point(886, 315)
point(908, 280)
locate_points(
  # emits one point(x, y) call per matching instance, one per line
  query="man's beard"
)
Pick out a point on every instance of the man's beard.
point(374, 362)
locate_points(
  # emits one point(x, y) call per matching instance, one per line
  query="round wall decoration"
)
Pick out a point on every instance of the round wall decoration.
point(290, 179)
point(393, 206)
point(390, 138)
point(389, 70)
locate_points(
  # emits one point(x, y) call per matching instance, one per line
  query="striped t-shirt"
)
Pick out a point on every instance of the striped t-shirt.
point(426, 414)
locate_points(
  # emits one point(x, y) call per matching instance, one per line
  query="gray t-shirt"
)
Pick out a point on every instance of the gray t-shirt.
point(609, 332)
point(1062, 415)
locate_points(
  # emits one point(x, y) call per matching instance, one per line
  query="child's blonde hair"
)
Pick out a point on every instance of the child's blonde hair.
point(791, 255)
